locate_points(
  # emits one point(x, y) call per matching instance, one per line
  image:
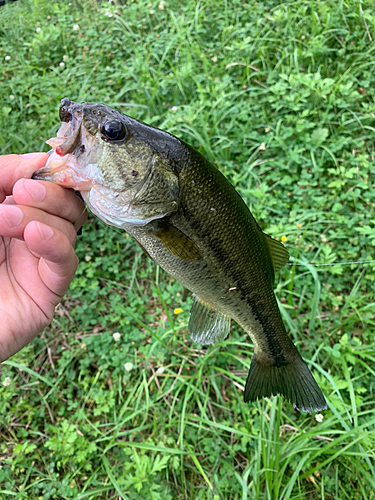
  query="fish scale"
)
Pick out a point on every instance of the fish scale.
point(192, 222)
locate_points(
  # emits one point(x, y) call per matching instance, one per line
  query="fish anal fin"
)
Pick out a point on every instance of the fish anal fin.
point(206, 325)
point(292, 379)
point(143, 248)
point(279, 254)
point(176, 242)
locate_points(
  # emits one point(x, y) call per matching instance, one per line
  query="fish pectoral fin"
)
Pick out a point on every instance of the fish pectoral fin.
point(206, 325)
point(279, 254)
point(291, 379)
point(176, 242)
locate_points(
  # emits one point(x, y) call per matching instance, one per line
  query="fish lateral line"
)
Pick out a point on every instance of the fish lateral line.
point(344, 263)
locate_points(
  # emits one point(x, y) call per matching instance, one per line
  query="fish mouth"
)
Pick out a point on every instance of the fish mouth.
point(63, 165)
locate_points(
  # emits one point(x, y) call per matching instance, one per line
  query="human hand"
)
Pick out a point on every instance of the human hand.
point(38, 225)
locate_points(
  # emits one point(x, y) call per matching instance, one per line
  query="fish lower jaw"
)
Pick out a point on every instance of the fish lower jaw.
point(63, 171)
point(64, 178)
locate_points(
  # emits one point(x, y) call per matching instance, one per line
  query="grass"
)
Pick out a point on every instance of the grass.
point(281, 96)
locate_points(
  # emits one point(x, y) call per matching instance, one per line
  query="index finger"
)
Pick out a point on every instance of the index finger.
point(51, 198)
point(15, 167)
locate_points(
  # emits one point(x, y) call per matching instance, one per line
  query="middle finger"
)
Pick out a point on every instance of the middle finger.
point(14, 219)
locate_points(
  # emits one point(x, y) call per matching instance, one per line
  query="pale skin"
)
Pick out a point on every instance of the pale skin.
point(38, 228)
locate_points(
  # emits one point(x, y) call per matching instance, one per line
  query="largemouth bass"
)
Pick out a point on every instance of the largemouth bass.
point(191, 221)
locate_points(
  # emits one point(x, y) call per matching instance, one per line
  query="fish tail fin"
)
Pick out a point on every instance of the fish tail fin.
point(292, 379)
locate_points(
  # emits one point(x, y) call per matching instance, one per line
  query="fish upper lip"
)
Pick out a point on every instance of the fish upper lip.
point(64, 111)
point(71, 112)
point(70, 128)
point(71, 142)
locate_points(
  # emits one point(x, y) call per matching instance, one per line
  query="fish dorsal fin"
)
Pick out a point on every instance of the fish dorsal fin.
point(176, 242)
point(279, 254)
point(207, 326)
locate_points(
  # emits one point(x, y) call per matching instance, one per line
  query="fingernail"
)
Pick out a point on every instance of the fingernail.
point(30, 155)
point(11, 214)
point(45, 231)
point(35, 189)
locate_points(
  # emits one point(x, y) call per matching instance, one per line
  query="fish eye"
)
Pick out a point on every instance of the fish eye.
point(113, 130)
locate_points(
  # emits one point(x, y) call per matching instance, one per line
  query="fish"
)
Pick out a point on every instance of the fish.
point(191, 221)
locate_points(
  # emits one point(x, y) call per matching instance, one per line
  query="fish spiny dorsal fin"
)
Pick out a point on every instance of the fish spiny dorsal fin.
point(207, 326)
point(279, 254)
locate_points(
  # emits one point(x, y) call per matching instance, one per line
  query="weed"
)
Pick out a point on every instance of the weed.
point(281, 97)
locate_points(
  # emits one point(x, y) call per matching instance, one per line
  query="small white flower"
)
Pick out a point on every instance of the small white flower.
point(87, 258)
point(7, 381)
point(76, 27)
point(319, 417)
point(11, 97)
point(160, 370)
point(128, 366)
point(116, 336)
point(7, 58)
point(174, 108)
point(65, 57)
point(161, 5)
point(62, 64)
point(108, 14)
point(38, 30)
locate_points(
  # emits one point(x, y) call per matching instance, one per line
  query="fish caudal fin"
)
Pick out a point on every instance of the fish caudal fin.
point(293, 380)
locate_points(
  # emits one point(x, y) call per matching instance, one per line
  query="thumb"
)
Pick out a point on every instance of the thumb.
point(15, 167)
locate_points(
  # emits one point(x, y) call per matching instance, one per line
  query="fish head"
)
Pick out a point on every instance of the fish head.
point(106, 155)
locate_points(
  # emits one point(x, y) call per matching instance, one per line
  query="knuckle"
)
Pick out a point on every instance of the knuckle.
point(70, 232)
